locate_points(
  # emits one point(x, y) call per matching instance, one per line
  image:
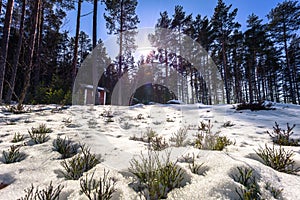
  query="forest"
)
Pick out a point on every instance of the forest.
point(39, 60)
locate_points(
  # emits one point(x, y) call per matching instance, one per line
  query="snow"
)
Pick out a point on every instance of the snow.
point(111, 141)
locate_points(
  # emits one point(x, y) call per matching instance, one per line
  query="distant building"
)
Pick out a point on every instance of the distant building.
point(89, 97)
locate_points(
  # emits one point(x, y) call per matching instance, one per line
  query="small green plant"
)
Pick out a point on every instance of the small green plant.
point(250, 188)
point(227, 124)
point(67, 121)
point(278, 159)
point(126, 126)
point(65, 147)
point(107, 113)
point(13, 155)
point(76, 166)
point(262, 105)
point(49, 193)
point(109, 119)
point(208, 140)
point(17, 109)
point(276, 193)
point(147, 137)
point(39, 135)
point(196, 168)
point(98, 189)
point(150, 134)
point(179, 138)
point(170, 120)
point(42, 128)
point(92, 123)
point(154, 177)
point(17, 138)
point(282, 137)
point(140, 117)
point(158, 143)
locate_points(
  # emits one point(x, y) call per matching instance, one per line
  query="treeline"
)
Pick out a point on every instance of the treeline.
point(39, 61)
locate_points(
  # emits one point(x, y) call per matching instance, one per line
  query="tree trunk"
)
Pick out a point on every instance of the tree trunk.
point(95, 77)
point(75, 55)
point(95, 23)
point(0, 7)
point(225, 73)
point(17, 56)
point(292, 92)
point(37, 65)
point(5, 41)
point(120, 102)
point(31, 49)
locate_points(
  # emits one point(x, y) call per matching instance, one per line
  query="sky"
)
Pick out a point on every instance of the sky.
point(148, 12)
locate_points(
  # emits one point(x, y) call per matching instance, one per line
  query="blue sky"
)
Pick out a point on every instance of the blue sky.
point(148, 12)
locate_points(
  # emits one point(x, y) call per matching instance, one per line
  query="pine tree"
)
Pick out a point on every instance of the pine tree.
point(223, 25)
point(254, 39)
point(5, 41)
point(75, 54)
point(122, 19)
point(284, 22)
point(35, 15)
point(15, 63)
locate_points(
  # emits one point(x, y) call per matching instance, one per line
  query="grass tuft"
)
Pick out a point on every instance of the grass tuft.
point(282, 137)
point(278, 159)
point(39, 135)
point(98, 189)
point(76, 166)
point(49, 193)
point(13, 155)
point(65, 147)
point(17, 138)
point(155, 178)
point(250, 188)
point(179, 138)
point(208, 140)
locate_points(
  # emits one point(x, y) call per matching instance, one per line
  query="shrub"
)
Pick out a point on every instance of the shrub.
point(262, 105)
point(65, 147)
point(17, 109)
point(98, 189)
point(67, 121)
point(92, 123)
point(282, 137)
point(208, 140)
point(155, 178)
point(49, 193)
point(126, 126)
point(108, 120)
point(179, 138)
point(76, 166)
point(39, 135)
point(42, 128)
point(276, 193)
point(196, 168)
point(146, 137)
point(107, 113)
point(249, 189)
point(278, 159)
point(140, 117)
point(158, 144)
point(227, 124)
point(17, 138)
point(13, 155)
point(170, 120)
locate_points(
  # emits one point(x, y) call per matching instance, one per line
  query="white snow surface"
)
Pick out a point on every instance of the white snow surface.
point(111, 141)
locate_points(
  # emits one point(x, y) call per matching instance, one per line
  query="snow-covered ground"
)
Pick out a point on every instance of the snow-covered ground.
point(86, 124)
